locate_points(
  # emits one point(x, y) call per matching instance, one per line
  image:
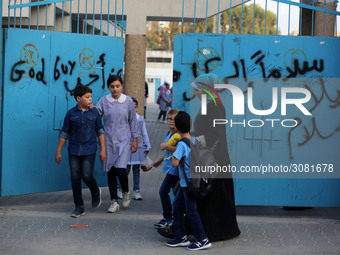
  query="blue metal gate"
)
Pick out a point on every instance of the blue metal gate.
point(309, 150)
point(315, 141)
point(41, 68)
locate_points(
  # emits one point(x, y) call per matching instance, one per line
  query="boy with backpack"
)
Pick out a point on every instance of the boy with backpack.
point(171, 177)
point(185, 201)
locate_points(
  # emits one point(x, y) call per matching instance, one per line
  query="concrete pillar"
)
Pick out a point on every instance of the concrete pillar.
point(329, 20)
point(318, 29)
point(134, 77)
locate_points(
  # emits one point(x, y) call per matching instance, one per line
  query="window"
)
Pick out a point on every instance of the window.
point(159, 60)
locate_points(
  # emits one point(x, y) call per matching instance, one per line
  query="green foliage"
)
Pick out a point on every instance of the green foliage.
point(247, 26)
point(161, 37)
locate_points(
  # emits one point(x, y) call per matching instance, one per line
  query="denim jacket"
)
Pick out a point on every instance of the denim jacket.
point(82, 129)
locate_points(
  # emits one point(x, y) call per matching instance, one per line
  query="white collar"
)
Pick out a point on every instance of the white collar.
point(121, 99)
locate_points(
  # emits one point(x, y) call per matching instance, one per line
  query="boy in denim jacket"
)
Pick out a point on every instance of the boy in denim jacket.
point(81, 126)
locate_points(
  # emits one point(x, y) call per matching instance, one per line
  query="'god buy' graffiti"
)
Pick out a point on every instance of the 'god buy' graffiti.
point(63, 69)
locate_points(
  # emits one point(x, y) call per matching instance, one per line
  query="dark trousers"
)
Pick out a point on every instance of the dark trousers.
point(168, 183)
point(185, 202)
point(112, 181)
point(160, 115)
point(82, 167)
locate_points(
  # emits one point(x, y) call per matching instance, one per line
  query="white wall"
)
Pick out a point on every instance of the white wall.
point(158, 70)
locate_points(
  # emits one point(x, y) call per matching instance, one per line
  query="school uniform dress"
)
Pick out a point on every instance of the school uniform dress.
point(138, 158)
point(120, 126)
point(165, 96)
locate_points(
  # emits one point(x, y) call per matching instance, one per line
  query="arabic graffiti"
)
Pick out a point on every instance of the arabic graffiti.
point(258, 65)
point(266, 72)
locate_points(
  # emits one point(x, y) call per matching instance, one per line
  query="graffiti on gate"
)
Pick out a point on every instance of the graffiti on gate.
point(293, 67)
point(64, 69)
point(311, 128)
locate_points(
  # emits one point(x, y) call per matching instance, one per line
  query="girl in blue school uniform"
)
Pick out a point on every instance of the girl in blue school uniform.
point(138, 158)
point(120, 127)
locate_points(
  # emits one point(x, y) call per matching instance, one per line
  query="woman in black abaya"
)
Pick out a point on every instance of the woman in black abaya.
point(217, 210)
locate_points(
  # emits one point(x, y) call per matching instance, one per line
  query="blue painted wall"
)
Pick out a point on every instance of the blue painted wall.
point(310, 62)
point(40, 70)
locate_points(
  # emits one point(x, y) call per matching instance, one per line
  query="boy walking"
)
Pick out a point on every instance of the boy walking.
point(171, 177)
point(81, 126)
point(184, 201)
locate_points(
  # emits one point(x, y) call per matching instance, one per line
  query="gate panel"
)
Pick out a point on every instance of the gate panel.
point(243, 61)
point(25, 111)
point(88, 60)
point(35, 105)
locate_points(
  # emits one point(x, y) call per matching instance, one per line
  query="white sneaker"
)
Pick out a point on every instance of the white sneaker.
point(114, 207)
point(126, 199)
point(119, 193)
point(137, 195)
point(165, 121)
point(160, 121)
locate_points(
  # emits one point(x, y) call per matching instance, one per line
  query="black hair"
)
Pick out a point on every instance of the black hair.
point(183, 122)
point(81, 90)
point(114, 78)
point(134, 100)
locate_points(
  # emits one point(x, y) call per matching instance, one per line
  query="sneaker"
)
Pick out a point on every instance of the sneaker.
point(97, 199)
point(137, 195)
point(160, 121)
point(114, 207)
point(79, 211)
point(126, 199)
point(163, 223)
point(119, 193)
point(164, 121)
point(204, 244)
point(179, 242)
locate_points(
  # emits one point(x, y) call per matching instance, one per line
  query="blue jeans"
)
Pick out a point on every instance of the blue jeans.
point(168, 183)
point(82, 167)
point(185, 202)
point(136, 175)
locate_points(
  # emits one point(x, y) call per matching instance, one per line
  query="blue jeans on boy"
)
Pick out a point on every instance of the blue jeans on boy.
point(168, 183)
point(185, 202)
point(82, 167)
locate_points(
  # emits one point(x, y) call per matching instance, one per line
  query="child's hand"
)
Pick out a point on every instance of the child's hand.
point(134, 145)
point(102, 155)
point(58, 157)
point(156, 163)
point(163, 146)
